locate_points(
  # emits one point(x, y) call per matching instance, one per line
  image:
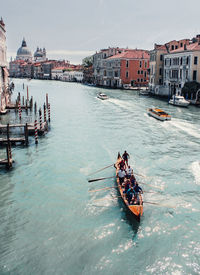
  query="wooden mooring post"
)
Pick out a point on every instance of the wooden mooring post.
point(26, 134)
point(40, 117)
point(49, 112)
point(36, 133)
point(20, 111)
point(45, 115)
point(35, 107)
point(31, 103)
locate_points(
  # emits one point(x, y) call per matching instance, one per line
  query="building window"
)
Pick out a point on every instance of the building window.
point(181, 45)
point(145, 74)
point(160, 71)
point(138, 72)
point(140, 64)
point(195, 60)
point(176, 47)
point(170, 62)
point(180, 73)
point(172, 47)
point(145, 64)
point(187, 61)
point(141, 72)
point(138, 80)
point(126, 74)
point(181, 63)
point(161, 57)
point(127, 63)
point(194, 75)
point(141, 80)
point(104, 72)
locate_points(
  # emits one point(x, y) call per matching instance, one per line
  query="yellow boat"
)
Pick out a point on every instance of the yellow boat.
point(159, 114)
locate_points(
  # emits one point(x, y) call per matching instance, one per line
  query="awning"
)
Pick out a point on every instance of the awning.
point(6, 71)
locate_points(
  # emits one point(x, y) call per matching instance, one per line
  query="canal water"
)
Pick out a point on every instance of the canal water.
point(49, 221)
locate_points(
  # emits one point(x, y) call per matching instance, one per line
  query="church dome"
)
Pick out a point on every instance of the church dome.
point(24, 52)
point(38, 53)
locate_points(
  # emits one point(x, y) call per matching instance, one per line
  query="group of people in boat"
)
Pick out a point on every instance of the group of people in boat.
point(127, 180)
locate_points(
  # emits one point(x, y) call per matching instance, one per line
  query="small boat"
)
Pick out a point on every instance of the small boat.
point(102, 96)
point(134, 210)
point(159, 114)
point(179, 100)
point(144, 92)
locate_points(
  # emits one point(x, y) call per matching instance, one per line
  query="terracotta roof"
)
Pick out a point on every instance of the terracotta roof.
point(131, 54)
point(190, 47)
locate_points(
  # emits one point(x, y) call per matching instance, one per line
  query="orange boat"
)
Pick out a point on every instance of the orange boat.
point(134, 210)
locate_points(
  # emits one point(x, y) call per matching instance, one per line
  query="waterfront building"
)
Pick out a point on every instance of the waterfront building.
point(88, 74)
point(72, 76)
point(99, 63)
point(57, 73)
point(166, 77)
point(129, 68)
point(4, 84)
point(23, 52)
point(182, 65)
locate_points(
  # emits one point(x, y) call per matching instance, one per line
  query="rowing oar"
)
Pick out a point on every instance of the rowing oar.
point(159, 204)
point(106, 188)
point(150, 185)
point(100, 169)
point(154, 203)
point(101, 179)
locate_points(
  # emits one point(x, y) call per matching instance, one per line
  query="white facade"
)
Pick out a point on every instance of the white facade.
point(57, 74)
point(73, 76)
point(177, 70)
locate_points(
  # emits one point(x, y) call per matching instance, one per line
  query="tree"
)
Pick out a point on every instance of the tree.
point(87, 61)
point(190, 88)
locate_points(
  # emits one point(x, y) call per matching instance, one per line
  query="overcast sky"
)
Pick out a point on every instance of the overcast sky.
point(73, 29)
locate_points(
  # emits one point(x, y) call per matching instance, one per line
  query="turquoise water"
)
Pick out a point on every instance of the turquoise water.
point(51, 224)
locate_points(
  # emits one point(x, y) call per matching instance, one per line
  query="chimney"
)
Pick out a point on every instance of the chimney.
point(185, 47)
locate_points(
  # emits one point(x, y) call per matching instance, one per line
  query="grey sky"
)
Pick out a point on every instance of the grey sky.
point(73, 29)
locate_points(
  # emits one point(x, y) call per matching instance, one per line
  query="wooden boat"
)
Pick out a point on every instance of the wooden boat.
point(136, 210)
point(159, 114)
point(102, 96)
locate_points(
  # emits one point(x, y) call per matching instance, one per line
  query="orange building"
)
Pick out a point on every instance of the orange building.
point(129, 68)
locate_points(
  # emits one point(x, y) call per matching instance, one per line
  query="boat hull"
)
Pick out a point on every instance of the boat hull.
point(162, 118)
point(134, 211)
point(182, 104)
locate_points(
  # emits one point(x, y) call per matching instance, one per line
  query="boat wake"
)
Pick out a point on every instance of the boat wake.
point(195, 168)
point(186, 127)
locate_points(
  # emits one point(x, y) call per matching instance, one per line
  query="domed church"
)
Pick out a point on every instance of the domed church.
point(40, 55)
point(23, 52)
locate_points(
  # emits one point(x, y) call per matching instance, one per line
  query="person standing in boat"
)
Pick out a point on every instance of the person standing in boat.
point(125, 157)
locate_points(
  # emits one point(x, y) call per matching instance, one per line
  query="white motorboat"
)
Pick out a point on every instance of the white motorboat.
point(179, 100)
point(144, 92)
point(102, 96)
point(159, 114)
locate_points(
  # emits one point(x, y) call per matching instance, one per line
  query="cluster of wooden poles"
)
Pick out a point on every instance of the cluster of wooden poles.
point(37, 128)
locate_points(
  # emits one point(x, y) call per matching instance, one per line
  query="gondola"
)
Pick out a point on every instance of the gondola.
point(135, 211)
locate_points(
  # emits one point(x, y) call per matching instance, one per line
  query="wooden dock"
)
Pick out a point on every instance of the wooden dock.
point(13, 140)
point(30, 127)
point(9, 161)
point(13, 106)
